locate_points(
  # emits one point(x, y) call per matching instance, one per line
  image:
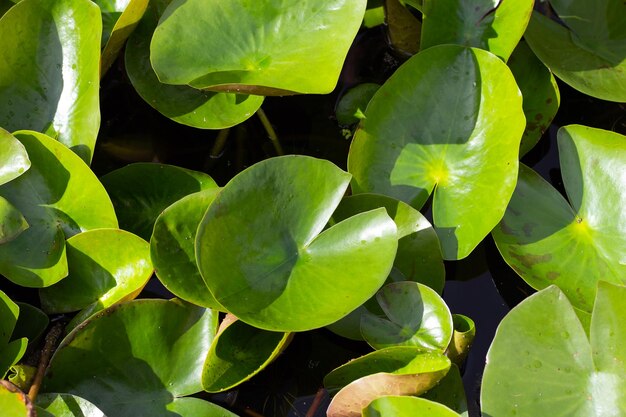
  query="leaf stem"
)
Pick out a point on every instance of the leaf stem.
point(270, 131)
point(220, 142)
point(316, 402)
point(51, 340)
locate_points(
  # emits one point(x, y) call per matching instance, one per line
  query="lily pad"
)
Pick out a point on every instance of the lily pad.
point(402, 406)
point(181, 103)
point(460, 143)
point(106, 266)
point(31, 323)
point(135, 358)
point(538, 367)
point(450, 392)
point(239, 352)
point(65, 405)
point(13, 157)
point(14, 403)
point(413, 315)
point(10, 351)
point(584, 70)
point(12, 222)
point(141, 191)
point(59, 197)
point(271, 47)
point(462, 338)
point(351, 107)
point(493, 25)
point(275, 268)
point(49, 75)
point(540, 92)
point(572, 245)
point(172, 248)
point(403, 29)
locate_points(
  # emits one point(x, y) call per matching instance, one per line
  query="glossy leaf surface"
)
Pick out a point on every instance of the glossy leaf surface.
point(141, 191)
point(49, 71)
point(135, 358)
point(65, 405)
point(460, 143)
point(273, 268)
point(10, 352)
point(172, 248)
point(548, 367)
point(12, 222)
point(493, 25)
point(261, 47)
point(14, 403)
point(13, 157)
point(450, 392)
point(59, 196)
point(31, 323)
point(398, 406)
point(572, 245)
point(181, 103)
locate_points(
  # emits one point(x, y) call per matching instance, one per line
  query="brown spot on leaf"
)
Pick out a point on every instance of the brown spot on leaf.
point(538, 116)
point(549, 100)
point(528, 229)
point(552, 275)
point(528, 261)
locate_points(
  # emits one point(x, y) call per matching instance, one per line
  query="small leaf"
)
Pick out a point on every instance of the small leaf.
point(395, 406)
point(462, 338)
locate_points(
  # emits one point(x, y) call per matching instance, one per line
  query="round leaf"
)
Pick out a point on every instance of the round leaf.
point(414, 315)
point(395, 406)
point(66, 405)
point(270, 268)
point(548, 241)
point(181, 103)
point(135, 358)
point(13, 157)
point(268, 48)
point(141, 191)
point(12, 222)
point(49, 75)
point(13, 402)
point(451, 118)
point(59, 196)
point(172, 248)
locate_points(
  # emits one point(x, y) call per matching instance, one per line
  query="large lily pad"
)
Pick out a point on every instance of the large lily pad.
point(272, 268)
point(572, 245)
point(65, 405)
point(585, 70)
point(181, 103)
point(493, 25)
point(49, 72)
point(10, 351)
point(270, 47)
point(172, 248)
point(59, 196)
point(460, 143)
point(539, 367)
point(14, 403)
point(141, 191)
point(135, 358)
point(402, 406)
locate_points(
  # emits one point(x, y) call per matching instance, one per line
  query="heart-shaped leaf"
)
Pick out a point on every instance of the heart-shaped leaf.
point(14, 403)
point(463, 140)
point(270, 47)
point(402, 406)
point(585, 70)
point(59, 197)
point(49, 75)
point(172, 248)
point(135, 358)
point(540, 367)
point(548, 241)
point(493, 25)
point(272, 268)
point(65, 405)
point(181, 103)
point(13, 157)
point(141, 191)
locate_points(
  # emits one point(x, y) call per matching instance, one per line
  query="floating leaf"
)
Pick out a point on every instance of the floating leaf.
point(493, 25)
point(10, 351)
point(268, 48)
point(65, 405)
point(14, 403)
point(540, 367)
point(49, 78)
point(463, 140)
point(172, 248)
point(59, 197)
point(548, 241)
point(141, 191)
point(135, 358)
point(396, 406)
point(31, 322)
point(353, 103)
point(273, 269)
point(181, 103)
point(450, 391)
point(12, 222)
point(403, 28)
point(13, 157)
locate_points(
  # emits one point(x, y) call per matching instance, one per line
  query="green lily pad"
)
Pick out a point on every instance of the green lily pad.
point(351, 107)
point(462, 338)
point(572, 245)
point(493, 25)
point(413, 315)
point(402, 406)
point(267, 48)
point(239, 352)
point(13, 402)
point(272, 268)
point(448, 121)
point(59, 197)
point(172, 248)
point(13, 157)
point(119, 20)
point(450, 392)
point(31, 323)
point(584, 70)
point(12, 222)
point(540, 367)
point(181, 103)
point(195, 407)
point(403, 29)
point(49, 80)
point(135, 358)
point(10, 351)
point(540, 92)
point(106, 266)
point(65, 405)
point(141, 191)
